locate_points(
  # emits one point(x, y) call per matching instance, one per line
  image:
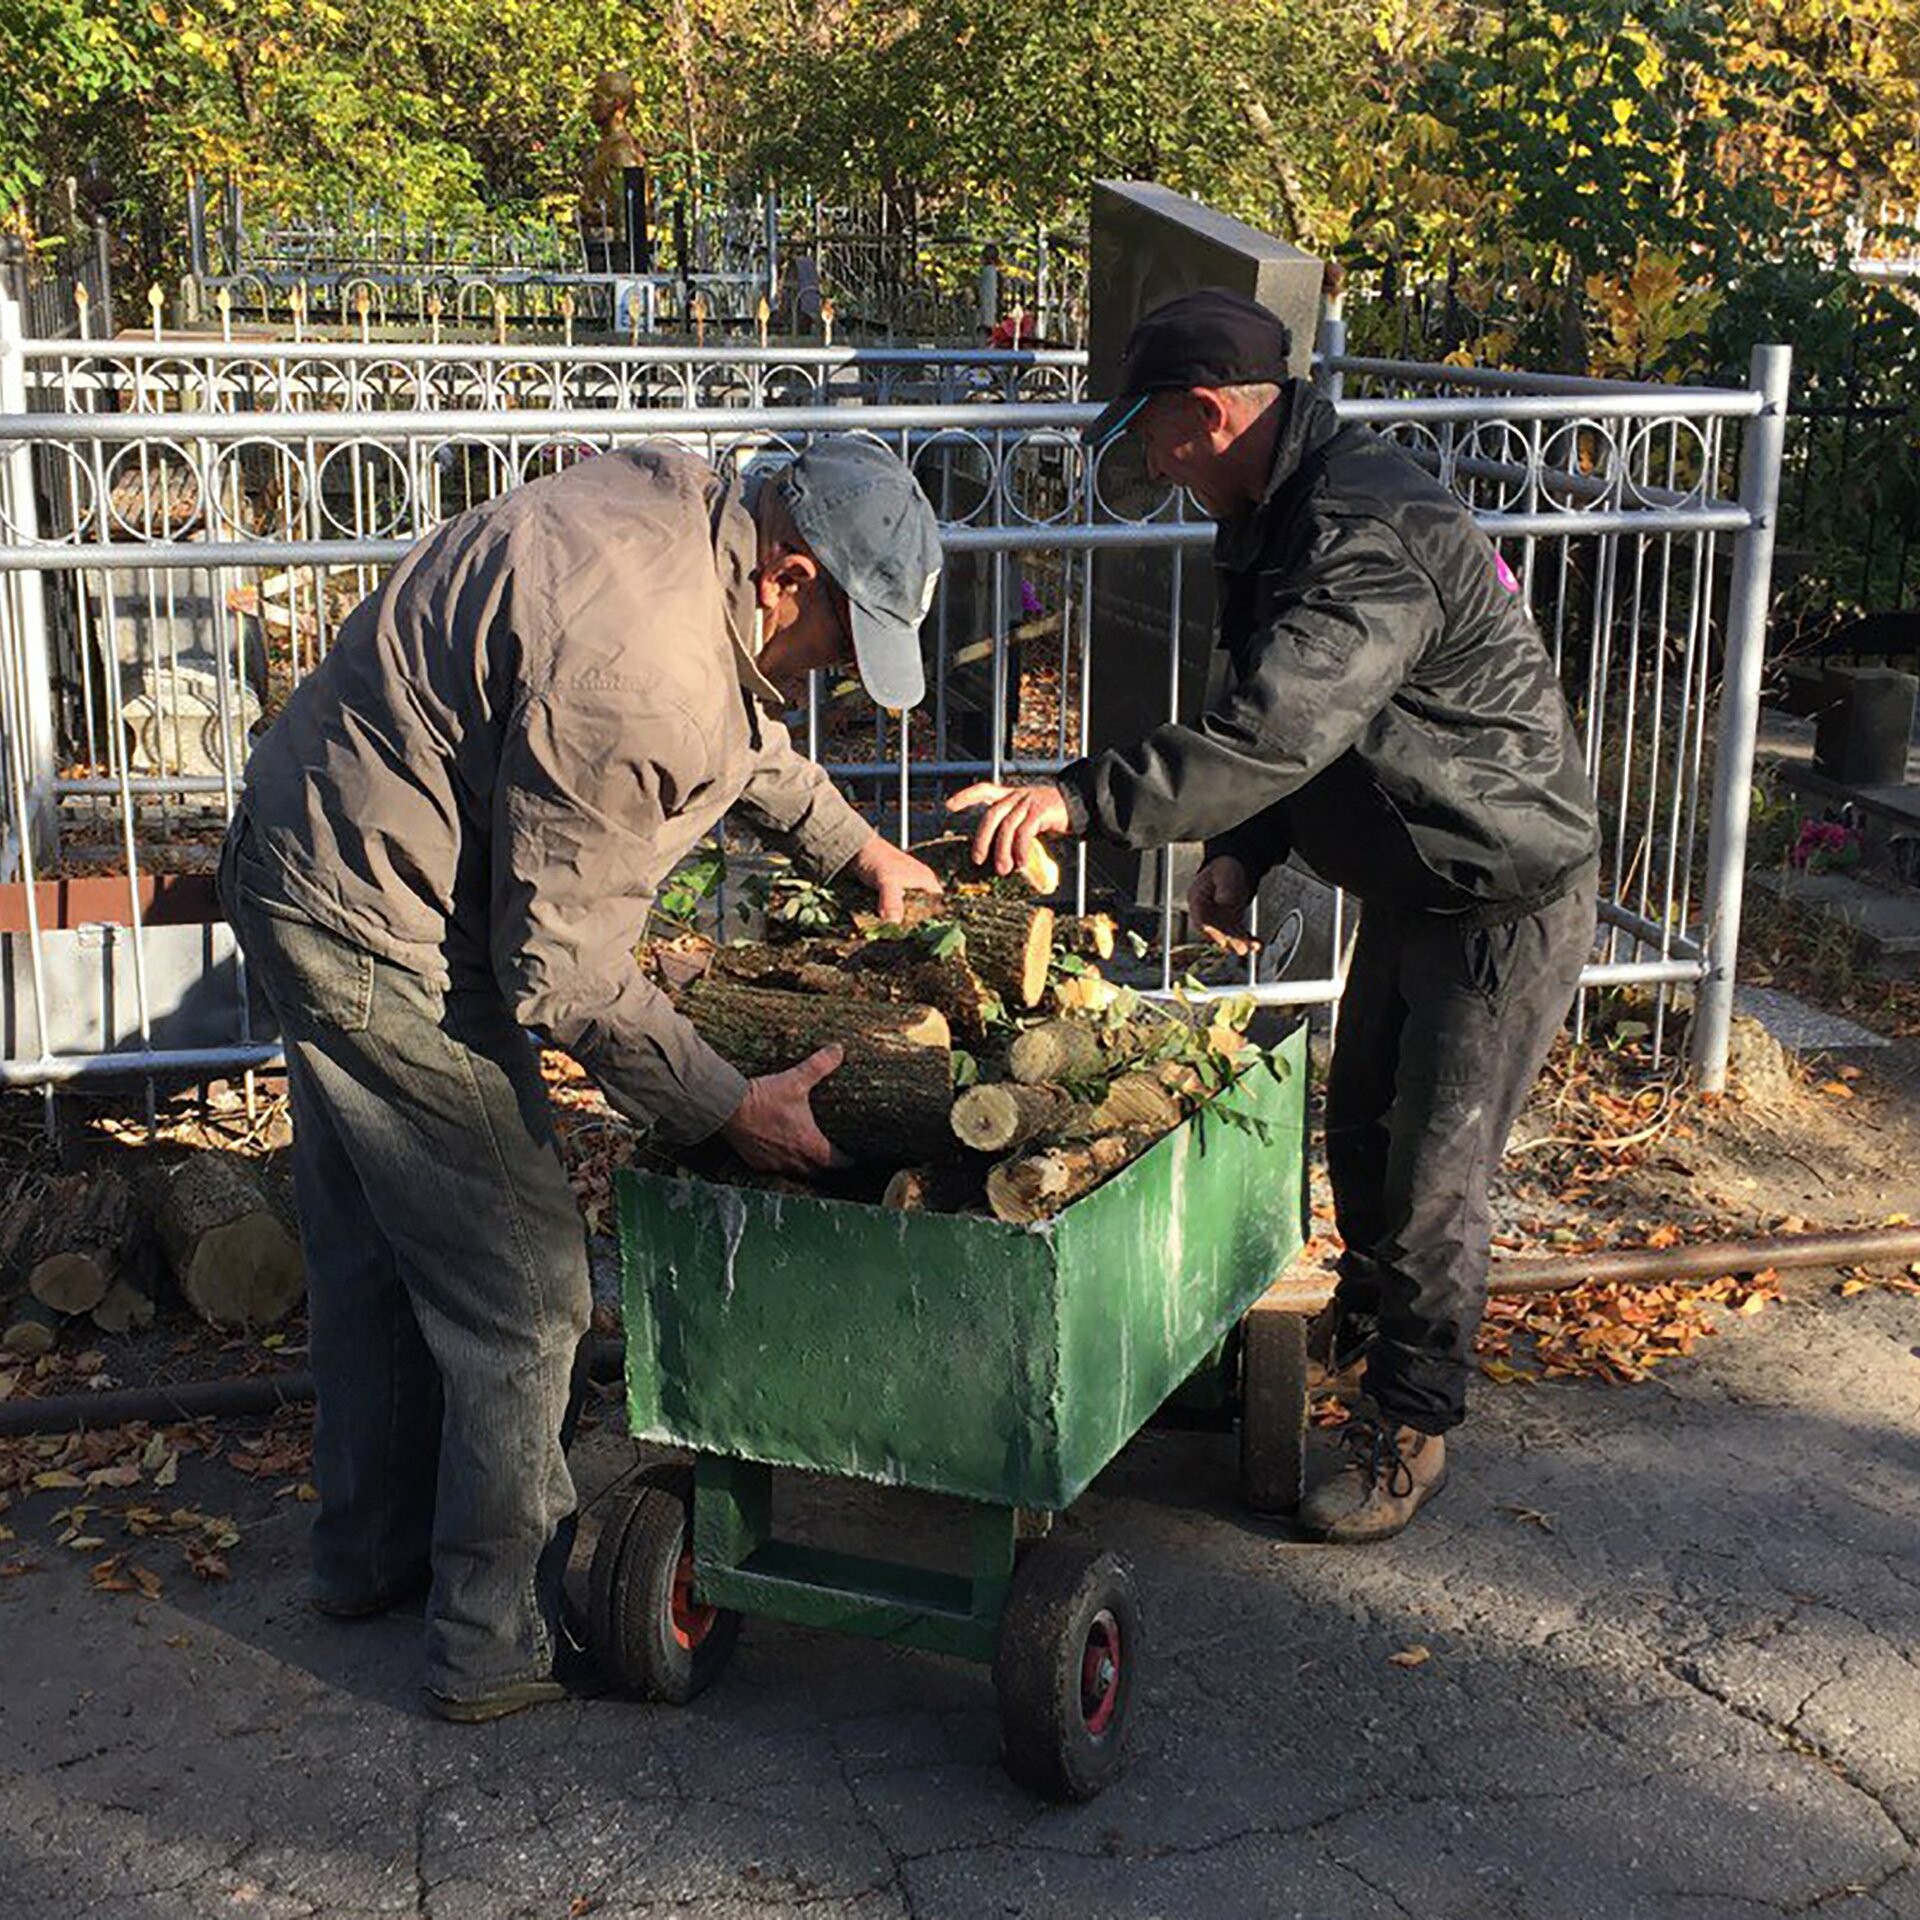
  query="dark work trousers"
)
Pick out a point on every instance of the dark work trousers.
point(447, 1287)
point(1443, 1030)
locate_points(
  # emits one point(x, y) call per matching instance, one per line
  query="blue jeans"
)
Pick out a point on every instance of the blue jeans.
point(448, 1291)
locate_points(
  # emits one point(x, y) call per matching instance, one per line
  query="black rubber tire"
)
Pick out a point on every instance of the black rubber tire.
point(1063, 1717)
point(636, 1562)
point(1273, 1412)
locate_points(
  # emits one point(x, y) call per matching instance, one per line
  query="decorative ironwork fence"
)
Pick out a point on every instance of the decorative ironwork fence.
point(181, 530)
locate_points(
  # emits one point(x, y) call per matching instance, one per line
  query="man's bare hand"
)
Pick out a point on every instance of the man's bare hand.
point(1218, 901)
point(773, 1129)
point(893, 874)
point(1011, 820)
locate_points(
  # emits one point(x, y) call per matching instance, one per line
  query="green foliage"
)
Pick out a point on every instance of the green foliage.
point(690, 883)
point(807, 905)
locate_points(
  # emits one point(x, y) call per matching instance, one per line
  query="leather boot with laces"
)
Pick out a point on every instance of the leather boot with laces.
point(1388, 1474)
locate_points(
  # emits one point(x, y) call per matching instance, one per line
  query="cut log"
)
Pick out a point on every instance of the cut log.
point(1001, 1117)
point(1137, 1101)
point(1054, 1051)
point(86, 1235)
point(127, 1307)
point(934, 1190)
point(1009, 937)
point(1038, 1185)
point(902, 972)
point(1092, 934)
point(1009, 945)
point(234, 1261)
point(890, 1097)
point(32, 1328)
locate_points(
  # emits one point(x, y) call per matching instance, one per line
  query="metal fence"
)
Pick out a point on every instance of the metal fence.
point(168, 572)
point(184, 375)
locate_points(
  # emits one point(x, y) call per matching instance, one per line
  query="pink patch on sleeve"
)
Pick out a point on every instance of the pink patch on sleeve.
point(1508, 578)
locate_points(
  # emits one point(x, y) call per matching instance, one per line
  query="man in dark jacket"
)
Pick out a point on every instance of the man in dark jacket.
point(453, 834)
point(1394, 720)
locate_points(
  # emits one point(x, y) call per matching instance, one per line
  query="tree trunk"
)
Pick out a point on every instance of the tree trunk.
point(1054, 1051)
point(234, 1261)
point(1029, 1189)
point(889, 1099)
point(1001, 1117)
point(84, 1240)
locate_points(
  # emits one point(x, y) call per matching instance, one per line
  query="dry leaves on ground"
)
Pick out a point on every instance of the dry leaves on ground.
point(1609, 1331)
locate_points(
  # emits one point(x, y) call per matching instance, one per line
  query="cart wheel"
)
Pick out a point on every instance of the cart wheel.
point(649, 1634)
point(1273, 1411)
point(1064, 1666)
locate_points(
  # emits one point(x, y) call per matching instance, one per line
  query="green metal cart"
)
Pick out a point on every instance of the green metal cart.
point(1005, 1365)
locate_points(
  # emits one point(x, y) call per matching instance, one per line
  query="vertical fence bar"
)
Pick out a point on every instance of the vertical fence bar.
point(26, 605)
point(1771, 374)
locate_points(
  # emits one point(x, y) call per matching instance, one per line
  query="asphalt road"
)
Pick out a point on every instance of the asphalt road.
point(1674, 1638)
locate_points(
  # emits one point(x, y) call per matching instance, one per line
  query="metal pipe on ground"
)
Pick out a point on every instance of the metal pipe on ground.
point(267, 1393)
point(226, 1399)
point(1851, 1247)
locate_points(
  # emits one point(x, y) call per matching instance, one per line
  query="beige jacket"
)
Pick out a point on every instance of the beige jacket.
point(516, 738)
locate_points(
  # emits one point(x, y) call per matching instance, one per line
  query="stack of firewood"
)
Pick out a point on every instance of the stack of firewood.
point(987, 1060)
point(88, 1249)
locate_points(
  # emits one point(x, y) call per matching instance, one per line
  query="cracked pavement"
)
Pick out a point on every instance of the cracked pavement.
point(1675, 1671)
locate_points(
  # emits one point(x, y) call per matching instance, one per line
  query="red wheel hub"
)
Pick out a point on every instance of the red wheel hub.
point(1100, 1673)
point(691, 1621)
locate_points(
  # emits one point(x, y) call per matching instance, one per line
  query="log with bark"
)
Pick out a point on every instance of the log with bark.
point(1037, 1185)
point(129, 1302)
point(233, 1259)
point(934, 1190)
point(1053, 1052)
point(1005, 1115)
point(900, 971)
point(950, 855)
point(31, 1328)
point(1092, 935)
point(888, 1101)
point(1137, 1102)
point(89, 1231)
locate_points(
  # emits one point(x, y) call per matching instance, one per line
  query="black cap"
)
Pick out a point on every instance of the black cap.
point(1206, 339)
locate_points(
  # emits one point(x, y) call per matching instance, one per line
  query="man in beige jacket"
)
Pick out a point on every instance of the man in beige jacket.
point(452, 835)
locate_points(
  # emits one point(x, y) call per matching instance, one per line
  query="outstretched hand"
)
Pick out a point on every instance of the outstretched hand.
point(1011, 820)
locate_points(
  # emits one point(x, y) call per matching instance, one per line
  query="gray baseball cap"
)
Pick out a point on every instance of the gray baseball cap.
point(863, 514)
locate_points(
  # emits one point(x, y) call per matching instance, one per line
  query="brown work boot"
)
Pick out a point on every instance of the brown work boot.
point(1388, 1475)
point(1336, 1352)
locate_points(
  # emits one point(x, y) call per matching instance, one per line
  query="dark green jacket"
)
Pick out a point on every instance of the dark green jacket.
point(1393, 716)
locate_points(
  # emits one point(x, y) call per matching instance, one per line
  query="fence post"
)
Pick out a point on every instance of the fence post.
point(26, 673)
point(103, 266)
point(1333, 346)
point(1770, 374)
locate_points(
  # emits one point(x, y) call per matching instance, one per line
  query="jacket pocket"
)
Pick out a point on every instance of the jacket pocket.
point(1487, 953)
